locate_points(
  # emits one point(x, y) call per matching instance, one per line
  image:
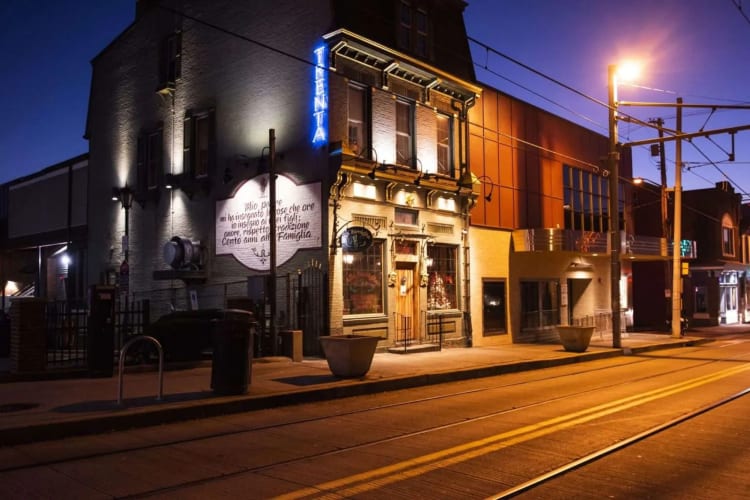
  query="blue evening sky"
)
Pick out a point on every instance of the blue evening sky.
point(695, 49)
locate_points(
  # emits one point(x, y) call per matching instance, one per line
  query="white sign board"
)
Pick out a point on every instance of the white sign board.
point(243, 224)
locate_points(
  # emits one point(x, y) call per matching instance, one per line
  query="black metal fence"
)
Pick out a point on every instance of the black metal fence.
point(67, 328)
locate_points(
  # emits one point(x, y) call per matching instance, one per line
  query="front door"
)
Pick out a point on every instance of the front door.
point(406, 315)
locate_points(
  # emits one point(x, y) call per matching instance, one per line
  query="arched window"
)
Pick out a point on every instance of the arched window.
point(728, 247)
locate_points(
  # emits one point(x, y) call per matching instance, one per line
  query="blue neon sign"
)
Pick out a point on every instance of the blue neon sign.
point(320, 97)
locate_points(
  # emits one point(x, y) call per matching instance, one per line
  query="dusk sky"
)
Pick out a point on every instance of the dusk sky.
point(695, 49)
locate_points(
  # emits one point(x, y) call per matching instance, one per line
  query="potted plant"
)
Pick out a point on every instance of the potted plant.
point(575, 338)
point(349, 356)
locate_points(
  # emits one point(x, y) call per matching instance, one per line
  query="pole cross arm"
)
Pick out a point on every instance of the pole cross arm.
point(705, 133)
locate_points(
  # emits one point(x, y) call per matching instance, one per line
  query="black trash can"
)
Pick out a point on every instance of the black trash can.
point(232, 352)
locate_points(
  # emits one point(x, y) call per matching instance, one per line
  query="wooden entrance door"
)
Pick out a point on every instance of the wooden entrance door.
point(407, 304)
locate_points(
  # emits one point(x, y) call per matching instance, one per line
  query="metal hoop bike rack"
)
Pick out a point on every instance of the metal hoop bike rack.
point(121, 365)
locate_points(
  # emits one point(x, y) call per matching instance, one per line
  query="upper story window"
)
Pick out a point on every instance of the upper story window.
point(413, 29)
point(586, 200)
point(727, 236)
point(199, 155)
point(358, 121)
point(150, 160)
point(170, 61)
point(444, 144)
point(405, 133)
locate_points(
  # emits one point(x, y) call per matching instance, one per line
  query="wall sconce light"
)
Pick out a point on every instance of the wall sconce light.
point(348, 258)
point(381, 168)
point(478, 180)
point(172, 181)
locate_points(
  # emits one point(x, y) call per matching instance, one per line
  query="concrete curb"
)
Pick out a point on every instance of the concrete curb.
point(129, 418)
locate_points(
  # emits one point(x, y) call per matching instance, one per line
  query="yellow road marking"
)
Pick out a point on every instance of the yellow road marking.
point(382, 476)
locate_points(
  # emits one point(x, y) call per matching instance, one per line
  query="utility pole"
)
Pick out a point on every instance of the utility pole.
point(677, 224)
point(659, 122)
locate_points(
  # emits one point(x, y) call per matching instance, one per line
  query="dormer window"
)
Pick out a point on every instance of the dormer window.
point(413, 29)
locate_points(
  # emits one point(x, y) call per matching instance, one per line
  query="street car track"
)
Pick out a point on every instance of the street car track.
point(221, 434)
point(596, 455)
point(218, 477)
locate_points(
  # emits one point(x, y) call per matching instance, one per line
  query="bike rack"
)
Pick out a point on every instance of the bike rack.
point(121, 366)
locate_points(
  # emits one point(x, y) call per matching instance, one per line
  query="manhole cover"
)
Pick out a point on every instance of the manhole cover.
point(11, 407)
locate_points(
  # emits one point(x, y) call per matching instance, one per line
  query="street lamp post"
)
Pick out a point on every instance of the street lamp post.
point(613, 161)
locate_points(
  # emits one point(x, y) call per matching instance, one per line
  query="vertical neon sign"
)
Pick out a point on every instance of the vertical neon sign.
point(320, 97)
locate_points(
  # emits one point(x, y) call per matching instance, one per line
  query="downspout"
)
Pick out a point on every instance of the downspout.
point(465, 173)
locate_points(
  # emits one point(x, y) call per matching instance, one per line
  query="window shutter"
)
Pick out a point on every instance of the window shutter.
point(187, 140)
point(159, 156)
point(211, 143)
point(140, 169)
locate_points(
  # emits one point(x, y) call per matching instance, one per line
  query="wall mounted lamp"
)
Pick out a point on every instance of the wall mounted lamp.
point(479, 180)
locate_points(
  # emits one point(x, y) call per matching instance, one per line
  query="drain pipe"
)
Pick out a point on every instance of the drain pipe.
point(464, 182)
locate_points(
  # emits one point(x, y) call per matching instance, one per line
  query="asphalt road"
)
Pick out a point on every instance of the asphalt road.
point(474, 439)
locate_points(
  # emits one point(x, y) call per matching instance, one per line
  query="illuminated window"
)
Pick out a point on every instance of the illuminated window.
point(405, 133)
point(441, 280)
point(444, 144)
point(493, 308)
point(170, 61)
point(586, 200)
point(150, 160)
point(199, 155)
point(358, 122)
point(727, 236)
point(406, 217)
point(363, 280)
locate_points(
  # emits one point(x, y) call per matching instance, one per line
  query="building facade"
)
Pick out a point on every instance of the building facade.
point(44, 233)
point(357, 109)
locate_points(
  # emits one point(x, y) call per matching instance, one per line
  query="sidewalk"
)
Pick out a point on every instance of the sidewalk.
point(53, 409)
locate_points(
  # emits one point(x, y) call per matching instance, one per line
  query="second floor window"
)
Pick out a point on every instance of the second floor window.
point(404, 133)
point(586, 200)
point(358, 136)
point(199, 141)
point(444, 145)
point(150, 158)
point(727, 237)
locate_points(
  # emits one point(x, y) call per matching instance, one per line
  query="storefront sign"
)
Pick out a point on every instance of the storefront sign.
point(356, 239)
point(243, 224)
point(320, 97)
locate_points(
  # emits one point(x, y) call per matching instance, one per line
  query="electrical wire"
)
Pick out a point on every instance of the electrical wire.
point(738, 4)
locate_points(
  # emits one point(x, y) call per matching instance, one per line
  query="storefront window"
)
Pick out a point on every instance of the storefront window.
point(441, 281)
point(363, 280)
point(540, 304)
point(493, 307)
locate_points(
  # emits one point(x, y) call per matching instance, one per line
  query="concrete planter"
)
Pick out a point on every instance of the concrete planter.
point(575, 338)
point(349, 356)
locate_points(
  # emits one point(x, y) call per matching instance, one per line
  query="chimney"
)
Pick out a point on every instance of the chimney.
point(143, 6)
point(724, 186)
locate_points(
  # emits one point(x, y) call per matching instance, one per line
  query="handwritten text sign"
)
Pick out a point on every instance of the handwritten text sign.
point(243, 224)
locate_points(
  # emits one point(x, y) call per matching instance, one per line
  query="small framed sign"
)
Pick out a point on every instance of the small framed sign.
point(356, 239)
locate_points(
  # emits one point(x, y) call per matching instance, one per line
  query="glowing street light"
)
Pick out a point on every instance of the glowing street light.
point(613, 163)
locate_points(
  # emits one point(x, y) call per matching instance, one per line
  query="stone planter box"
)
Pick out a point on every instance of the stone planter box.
point(349, 356)
point(575, 338)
